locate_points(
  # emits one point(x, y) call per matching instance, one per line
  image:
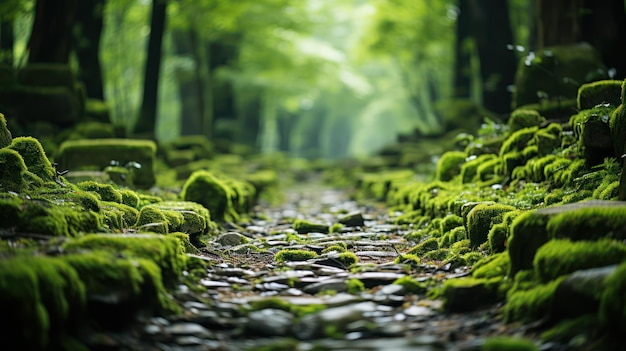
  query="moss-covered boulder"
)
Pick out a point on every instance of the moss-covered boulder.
point(12, 171)
point(468, 294)
point(34, 157)
point(556, 73)
point(524, 118)
point(106, 192)
point(5, 134)
point(449, 165)
point(96, 154)
point(588, 220)
point(179, 216)
point(212, 192)
point(304, 227)
point(600, 92)
point(481, 219)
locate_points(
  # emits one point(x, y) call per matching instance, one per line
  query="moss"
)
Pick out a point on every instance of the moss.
point(5, 134)
point(469, 169)
point(294, 255)
point(546, 142)
point(304, 227)
point(354, 286)
point(612, 309)
point(524, 118)
point(411, 259)
point(487, 171)
point(467, 294)
point(335, 228)
point(336, 247)
point(600, 92)
point(472, 257)
point(568, 329)
point(98, 153)
point(196, 219)
point(424, 247)
point(34, 157)
point(460, 247)
point(153, 219)
point(560, 257)
point(449, 165)
point(532, 304)
point(145, 199)
point(43, 218)
point(528, 233)
point(129, 197)
point(411, 285)
point(211, 192)
point(498, 235)
point(617, 126)
point(588, 223)
point(436, 255)
point(12, 171)
point(518, 140)
point(497, 265)
point(119, 216)
point(480, 220)
point(163, 250)
point(10, 208)
point(348, 259)
point(450, 222)
point(106, 191)
point(508, 344)
point(185, 243)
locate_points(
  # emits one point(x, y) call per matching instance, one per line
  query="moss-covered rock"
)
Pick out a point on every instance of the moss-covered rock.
point(560, 257)
point(449, 165)
point(612, 304)
point(469, 169)
point(508, 344)
point(524, 118)
point(424, 247)
point(600, 92)
point(34, 157)
point(531, 304)
point(304, 227)
point(106, 192)
point(207, 189)
point(541, 74)
point(5, 134)
point(152, 219)
point(480, 220)
point(98, 154)
point(595, 136)
point(12, 171)
point(294, 255)
point(468, 294)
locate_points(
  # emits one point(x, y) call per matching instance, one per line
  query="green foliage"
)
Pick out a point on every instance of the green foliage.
point(449, 165)
point(532, 304)
point(424, 247)
point(212, 192)
point(523, 118)
point(411, 285)
point(304, 227)
point(612, 307)
point(354, 286)
point(496, 265)
point(508, 344)
point(294, 255)
point(480, 220)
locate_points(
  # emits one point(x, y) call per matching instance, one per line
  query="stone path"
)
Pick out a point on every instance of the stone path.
point(248, 301)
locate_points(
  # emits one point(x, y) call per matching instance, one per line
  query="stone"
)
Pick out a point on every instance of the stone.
point(352, 219)
point(270, 322)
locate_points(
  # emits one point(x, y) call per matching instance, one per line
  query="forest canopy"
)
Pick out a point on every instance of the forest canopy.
point(311, 78)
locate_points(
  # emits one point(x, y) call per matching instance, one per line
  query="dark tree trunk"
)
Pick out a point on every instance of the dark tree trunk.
point(223, 103)
point(7, 40)
point(87, 34)
point(603, 25)
point(147, 117)
point(51, 37)
point(249, 115)
point(189, 83)
point(492, 32)
point(559, 22)
point(462, 52)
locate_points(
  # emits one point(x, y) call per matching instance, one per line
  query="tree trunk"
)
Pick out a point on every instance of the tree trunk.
point(147, 116)
point(462, 52)
point(7, 40)
point(189, 83)
point(223, 103)
point(492, 32)
point(249, 116)
point(50, 39)
point(603, 25)
point(559, 22)
point(87, 34)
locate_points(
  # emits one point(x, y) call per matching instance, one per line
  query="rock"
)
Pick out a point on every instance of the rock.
point(468, 294)
point(588, 220)
point(231, 239)
point(189, 329)
point(337, 318)
point(579, 293)
point(352, 219)
point(600, 92)
point(270, 322)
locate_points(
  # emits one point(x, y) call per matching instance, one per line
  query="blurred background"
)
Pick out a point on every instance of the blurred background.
point(311, 78)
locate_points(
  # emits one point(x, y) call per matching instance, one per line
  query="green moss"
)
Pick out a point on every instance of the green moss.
point(304, 227)
point(5, 134)
point(34, 157)
point(195, 219)
point(560, 257)
point(354, 286)
point(42, 218)
point(119, 216)
point(487, 171)
point(294, 255)
point(588, 223)
point(411, 259)
point(411, 285)
point(472, 257)
point(496, 265)
point(10, 208)
point(617, 125)
point(12, 171)
point(98, 153)
point(449, 165)
point(450, 222)
point(163, 250)
point(106, 191)
point(460, 247)
point(532, 304)
point(508, 344)
point(424, 247)
point(469, 169)
point(480, 220)
point(518, 140)
point(129, 197)
point(213, 193)
point(546, 142)
point(348, 259)
point(467, 294)
point(600, 92)
point(145, 199)
point(336, 247)
point(567, 329)
point(185, 243)
point(612, 309)
point(335, 228)
point(153, 219)
point(524, 118)
point(436, 255)
point(498, 235)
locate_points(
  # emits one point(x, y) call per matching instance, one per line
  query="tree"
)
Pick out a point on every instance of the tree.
point(147, 116)
point(51, 37)
point(603, 25)
point(87, 34)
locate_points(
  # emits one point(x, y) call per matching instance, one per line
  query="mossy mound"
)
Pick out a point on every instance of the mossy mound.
point(481, 219)
point(34, 157)
point(600, 92)
point(524, 118)
point(214, 193)
point(468, 294)
point(99, 153)
point(449, 165)
point(5, 134)
point(177, 216)
point(304, 227)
